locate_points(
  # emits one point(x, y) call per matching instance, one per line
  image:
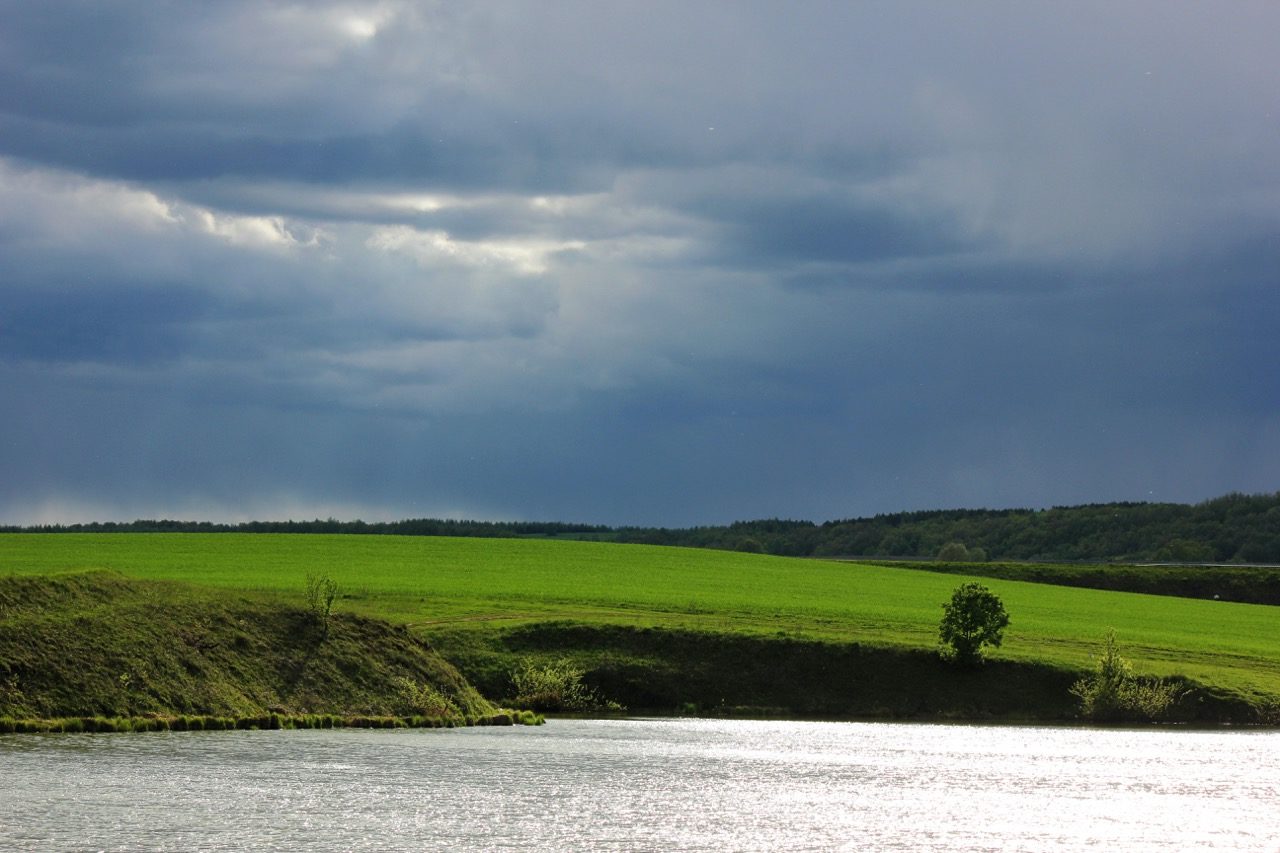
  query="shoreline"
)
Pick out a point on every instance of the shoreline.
point(270, 722)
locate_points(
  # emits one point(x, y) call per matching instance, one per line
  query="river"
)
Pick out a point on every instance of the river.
point(645, 785)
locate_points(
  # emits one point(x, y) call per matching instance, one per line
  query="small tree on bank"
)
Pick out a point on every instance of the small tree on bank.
point(321, 590)
point(974, 617)
point(1114, 694)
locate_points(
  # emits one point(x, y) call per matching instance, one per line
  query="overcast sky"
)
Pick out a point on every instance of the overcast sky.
point(634, 263)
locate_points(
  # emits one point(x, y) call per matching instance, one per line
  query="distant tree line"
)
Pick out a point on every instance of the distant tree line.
point(407, 527)
point(1234, 528)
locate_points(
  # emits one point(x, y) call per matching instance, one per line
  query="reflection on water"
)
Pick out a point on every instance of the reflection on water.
point(645, 785)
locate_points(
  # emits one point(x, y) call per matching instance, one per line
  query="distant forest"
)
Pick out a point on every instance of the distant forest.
point(1235, 528)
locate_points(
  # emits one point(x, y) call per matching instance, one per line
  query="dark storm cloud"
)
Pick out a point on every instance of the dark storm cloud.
point(825, 228)
point(404, 154)
point(688, 264)
point(121, 326)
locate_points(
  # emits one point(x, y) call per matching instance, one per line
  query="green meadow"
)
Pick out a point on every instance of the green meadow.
point(454, 588)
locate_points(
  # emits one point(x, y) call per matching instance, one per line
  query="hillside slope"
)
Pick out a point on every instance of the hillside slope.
point(99, 644)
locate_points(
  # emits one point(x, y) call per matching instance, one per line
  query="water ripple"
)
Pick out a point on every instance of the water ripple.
point(644, 785)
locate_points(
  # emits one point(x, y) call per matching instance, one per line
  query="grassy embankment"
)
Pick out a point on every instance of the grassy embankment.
point(666, 628)
point(99, 651)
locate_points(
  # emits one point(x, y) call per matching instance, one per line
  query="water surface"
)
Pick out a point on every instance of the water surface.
point(645, 785)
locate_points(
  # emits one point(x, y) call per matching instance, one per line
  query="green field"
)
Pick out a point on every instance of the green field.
point(449, 585)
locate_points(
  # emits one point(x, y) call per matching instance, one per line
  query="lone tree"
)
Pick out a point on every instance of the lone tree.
point(974, 617)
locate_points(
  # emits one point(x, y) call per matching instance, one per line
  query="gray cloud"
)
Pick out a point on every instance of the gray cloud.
point(696, 264)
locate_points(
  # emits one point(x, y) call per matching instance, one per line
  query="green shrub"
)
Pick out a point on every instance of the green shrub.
point(1113, 693)
point(321, 590)
point(423, 699)
point(555, 686)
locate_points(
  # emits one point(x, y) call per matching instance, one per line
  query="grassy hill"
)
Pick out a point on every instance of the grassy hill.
point(638, 617)
point(98, 644)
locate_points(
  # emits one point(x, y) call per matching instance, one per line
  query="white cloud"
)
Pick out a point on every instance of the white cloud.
point(256, 232)
point(526, 256)
point(48, 207)
point(59, 209)
point(362, 24)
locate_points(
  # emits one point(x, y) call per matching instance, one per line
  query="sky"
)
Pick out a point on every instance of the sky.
point(660, 263)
